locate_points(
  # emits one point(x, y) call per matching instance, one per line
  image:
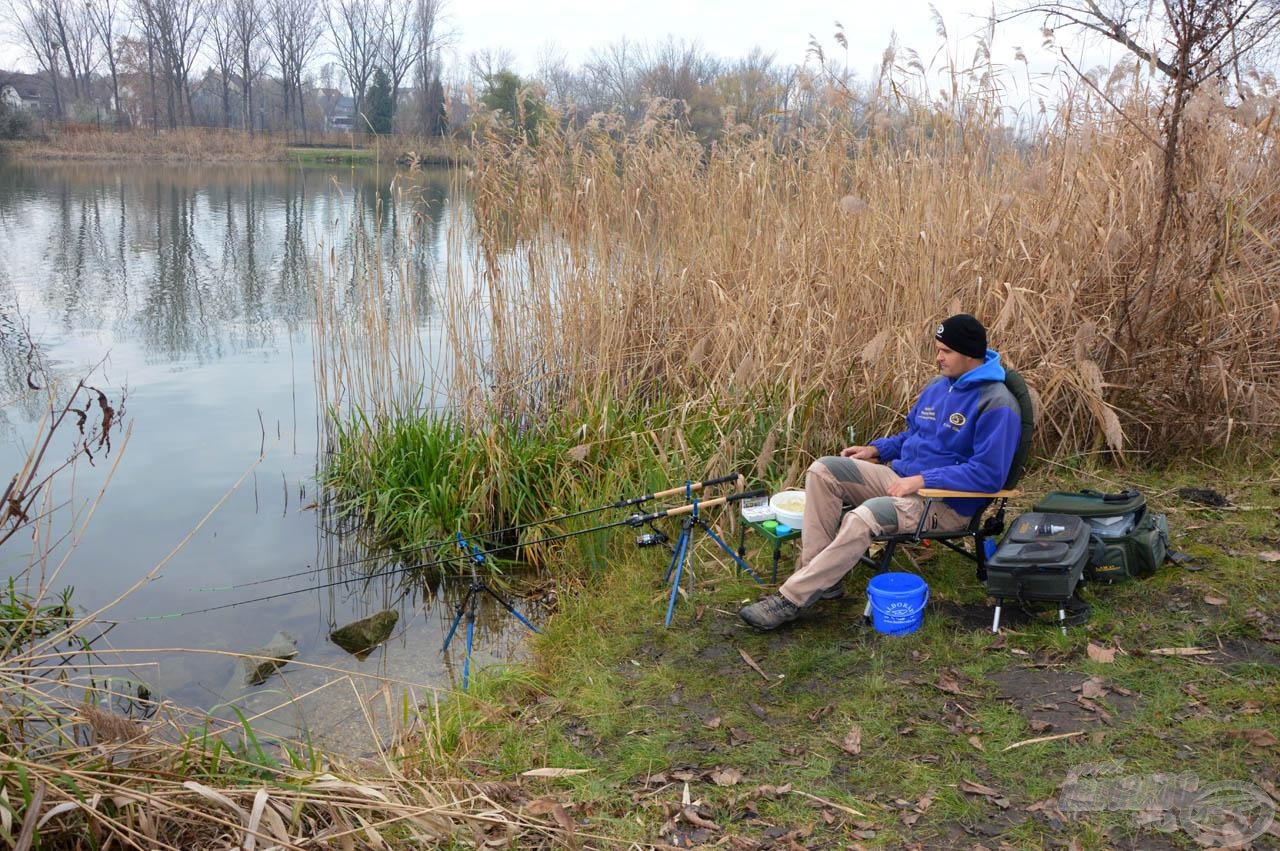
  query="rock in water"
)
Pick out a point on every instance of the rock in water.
point(361, 637)
point(280, 649)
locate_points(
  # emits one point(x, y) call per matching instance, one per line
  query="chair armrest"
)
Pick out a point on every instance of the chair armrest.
point(934, 493)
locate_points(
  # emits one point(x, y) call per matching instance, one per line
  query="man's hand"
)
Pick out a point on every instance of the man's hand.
point(905, 487)
point(860, 453)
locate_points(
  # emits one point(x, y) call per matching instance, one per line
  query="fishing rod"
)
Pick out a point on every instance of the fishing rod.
point(688, 488)
point(634, 520)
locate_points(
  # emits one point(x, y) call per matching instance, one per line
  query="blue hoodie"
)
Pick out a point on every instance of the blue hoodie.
point(961, 434)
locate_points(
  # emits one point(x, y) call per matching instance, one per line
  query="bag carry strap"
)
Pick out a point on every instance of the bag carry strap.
point(1123, 496)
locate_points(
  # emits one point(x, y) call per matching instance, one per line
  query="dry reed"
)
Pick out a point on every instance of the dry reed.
point(807, 275)
point(187, 144)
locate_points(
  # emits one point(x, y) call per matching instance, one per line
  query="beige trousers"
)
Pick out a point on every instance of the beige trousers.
point(831, 542)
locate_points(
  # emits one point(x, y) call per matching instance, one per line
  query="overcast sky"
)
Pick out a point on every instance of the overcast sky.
point(573, 28)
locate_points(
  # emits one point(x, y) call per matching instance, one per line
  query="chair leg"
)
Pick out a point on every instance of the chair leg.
point(995, 621)
point(1062, 617)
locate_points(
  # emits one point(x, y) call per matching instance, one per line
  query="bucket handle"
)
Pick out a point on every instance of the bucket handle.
point(923, 603)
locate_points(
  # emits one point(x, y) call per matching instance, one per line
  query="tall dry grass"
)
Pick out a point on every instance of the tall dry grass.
point(187, 144)
point(807, 274)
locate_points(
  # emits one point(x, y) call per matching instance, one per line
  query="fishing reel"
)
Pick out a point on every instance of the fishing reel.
point(655, 538)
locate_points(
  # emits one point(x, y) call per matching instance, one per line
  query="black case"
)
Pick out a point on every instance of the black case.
point(1041, 558)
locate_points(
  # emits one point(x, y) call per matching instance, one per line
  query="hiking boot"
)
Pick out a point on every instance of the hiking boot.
point(835, 592)
point(770, 613)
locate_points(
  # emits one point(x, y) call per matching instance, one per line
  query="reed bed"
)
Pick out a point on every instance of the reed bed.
point(187, 144)
point(806, 274)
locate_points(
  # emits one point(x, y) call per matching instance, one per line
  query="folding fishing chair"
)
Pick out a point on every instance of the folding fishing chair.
point(983, 525)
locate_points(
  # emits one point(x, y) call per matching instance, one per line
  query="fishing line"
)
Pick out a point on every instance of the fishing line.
point(388, 572)
point(687, 488)
point(634, 521)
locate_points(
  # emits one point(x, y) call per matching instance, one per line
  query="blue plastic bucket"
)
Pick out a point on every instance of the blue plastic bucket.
point(897, 602)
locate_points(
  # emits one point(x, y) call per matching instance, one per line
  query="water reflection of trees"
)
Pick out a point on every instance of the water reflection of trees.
point(199, 263)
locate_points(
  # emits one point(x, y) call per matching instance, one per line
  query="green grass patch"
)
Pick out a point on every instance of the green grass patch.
point(653, 711)
point(331, 156)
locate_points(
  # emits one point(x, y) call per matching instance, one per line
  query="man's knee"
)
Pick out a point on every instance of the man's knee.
point(880, 512)
point(844, 470)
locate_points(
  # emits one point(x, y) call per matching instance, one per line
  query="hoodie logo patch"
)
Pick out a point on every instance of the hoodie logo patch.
point(957, 419)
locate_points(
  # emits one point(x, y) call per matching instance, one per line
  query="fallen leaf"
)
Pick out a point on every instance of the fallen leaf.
point(1257, 738)
point(910, 818)
point(758, 710)
point(1215, 601)
point(1251, 707)
point(852, 743)
point(746, 657)
point(924, 803)
point(712, 723)
point(1269, 555)
point(692, 816)
point(978, 789)
point(726, 777)
point(820, 711)
point(579, 453)
point(976, 742)
point(1093, 688)
point(768, 791)
point(541, 806)
point(1100, 654)
point(948, 682)
point(1038, 726)
point(554, 772)
point(562, 818)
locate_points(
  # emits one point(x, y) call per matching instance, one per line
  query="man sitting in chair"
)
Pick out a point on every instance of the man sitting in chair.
point(961, 434)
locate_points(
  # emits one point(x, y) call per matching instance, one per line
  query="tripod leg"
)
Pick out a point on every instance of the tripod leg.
point(676, 556)
point(457, 619)
point(509, 608)
point(682, 547)
point(471, 633)
point(741, 564)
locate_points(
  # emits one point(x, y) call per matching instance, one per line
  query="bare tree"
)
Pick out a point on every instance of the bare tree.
point(399, 45)
point(295, 31)
point(35, 20)
point(430, 38)
point(246, 26)
point(223, 52)
point(356, 28)
point(1191, 43)
point(81, 44)
point(174, 32)
point(613, 76)
point(106, 19)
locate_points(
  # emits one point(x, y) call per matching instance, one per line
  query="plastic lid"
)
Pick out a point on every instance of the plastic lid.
point(782, 529)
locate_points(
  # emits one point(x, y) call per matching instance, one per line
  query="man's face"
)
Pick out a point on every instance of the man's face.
point(950, 363)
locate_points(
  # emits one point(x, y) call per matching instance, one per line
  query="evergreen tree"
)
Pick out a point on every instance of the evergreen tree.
point(522, 105)
point(379, 108)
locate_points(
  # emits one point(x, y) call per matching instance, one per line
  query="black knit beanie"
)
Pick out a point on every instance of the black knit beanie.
point(964, 334)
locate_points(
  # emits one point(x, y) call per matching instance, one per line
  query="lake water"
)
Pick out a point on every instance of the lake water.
point(193, 288)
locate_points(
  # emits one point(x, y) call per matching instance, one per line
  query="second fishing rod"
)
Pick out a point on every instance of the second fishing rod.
point(688, 489)
point(634, 520)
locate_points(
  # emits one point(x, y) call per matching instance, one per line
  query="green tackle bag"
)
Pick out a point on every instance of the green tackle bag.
point(1128, 541)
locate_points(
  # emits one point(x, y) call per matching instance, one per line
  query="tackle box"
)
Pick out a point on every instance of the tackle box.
point(1041, 558)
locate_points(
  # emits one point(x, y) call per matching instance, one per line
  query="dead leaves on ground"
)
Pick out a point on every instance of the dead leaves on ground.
point(994, 795)
point(852, 743)
point(1101, 655)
